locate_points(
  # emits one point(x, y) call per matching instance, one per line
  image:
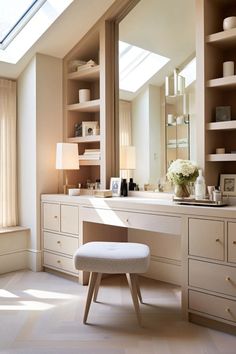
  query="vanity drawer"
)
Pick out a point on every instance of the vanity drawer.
point(148, 222)
point(206, 238)
point(60, 243)
point(213, 277)
point(232, 242)
point(70, 219)
point(212, 305)
point(59, 262)
point(51, 216)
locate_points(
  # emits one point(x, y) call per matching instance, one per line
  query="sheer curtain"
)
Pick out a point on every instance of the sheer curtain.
point(8, 188)
point(125, 125)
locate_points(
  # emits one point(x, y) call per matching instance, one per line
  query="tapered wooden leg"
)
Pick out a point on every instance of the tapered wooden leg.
point(92, 282)
point(98, 282)
point(138, 288)
point(133, 290)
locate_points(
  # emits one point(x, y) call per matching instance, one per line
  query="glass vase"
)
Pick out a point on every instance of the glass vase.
point(182, 191)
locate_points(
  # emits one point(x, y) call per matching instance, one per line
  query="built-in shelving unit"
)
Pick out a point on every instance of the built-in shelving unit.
point(89, 106)
point(89, 74)
point(216, 46)
point(85, 139)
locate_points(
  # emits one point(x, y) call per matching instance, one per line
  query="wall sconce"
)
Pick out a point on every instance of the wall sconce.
point(67, 158)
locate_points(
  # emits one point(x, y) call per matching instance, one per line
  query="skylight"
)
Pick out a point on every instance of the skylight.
point(137, 66)
point(22, 22)
point(13, 17)
point(189, 72)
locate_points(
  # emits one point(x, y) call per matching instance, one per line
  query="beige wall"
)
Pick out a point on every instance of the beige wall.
point(39, 129)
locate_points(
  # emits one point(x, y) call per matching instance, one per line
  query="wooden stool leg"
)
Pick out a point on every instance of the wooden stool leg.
point(133, 290)
point(138, 288)
point(92, 282)
point(98, 282)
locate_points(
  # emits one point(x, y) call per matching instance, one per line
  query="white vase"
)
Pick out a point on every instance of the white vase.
point(229, 23)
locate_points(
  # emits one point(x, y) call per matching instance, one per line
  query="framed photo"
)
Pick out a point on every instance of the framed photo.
point(228, 185)
point(89, 128)
point(115, 185)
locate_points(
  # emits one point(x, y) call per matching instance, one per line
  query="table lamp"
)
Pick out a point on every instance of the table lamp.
point(67, 159)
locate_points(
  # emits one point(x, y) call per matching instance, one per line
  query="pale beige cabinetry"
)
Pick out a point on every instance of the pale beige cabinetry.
point(214, 47)
point(60, 232)
point(211, 269)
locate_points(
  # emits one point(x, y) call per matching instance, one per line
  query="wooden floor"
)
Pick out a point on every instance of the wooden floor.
point(41, 313)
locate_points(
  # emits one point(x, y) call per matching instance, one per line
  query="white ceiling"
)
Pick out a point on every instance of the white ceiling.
point(165, 27)
point(64, 33)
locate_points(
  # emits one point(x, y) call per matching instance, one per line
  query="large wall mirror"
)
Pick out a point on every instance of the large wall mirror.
point(157, 74)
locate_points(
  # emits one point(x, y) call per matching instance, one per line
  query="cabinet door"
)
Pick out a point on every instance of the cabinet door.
point(206, 238)
point(60, 243)
point(70, 219)
point(232, 242)
point(51, 216)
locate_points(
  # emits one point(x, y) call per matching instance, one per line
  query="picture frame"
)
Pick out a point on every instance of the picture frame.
point(228, 184)
point(88, 128)
point(115, 186)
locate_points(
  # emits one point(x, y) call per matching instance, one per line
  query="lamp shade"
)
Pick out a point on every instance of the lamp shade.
point(127, 158)
point(67, 156)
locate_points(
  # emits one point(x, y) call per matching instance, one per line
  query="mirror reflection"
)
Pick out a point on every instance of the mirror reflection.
point(157, 74)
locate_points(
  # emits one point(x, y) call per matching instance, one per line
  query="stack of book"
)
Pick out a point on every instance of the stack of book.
point(91, 154)
point(86, 65)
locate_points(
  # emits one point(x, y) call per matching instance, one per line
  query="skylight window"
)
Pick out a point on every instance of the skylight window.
point(137, 66)
point(22, 22)
point(13, 17)
point(189, 72)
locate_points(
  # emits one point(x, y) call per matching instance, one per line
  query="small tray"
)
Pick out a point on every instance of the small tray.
point(202, 202)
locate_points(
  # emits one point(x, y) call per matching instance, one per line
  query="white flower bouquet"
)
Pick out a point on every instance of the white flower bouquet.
point(182, 172)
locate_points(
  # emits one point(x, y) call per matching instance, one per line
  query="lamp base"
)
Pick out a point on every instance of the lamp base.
point(68, 186)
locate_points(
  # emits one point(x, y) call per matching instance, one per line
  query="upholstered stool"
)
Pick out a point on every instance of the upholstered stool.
point(113, 258)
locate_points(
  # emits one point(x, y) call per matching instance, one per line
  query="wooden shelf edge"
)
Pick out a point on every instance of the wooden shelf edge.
point(227, 125)
point(221, 157)
point(89, 106)
point(85, 139)
point(89, 162)
point(229, 81)
point(222, 38)
point(87, 74)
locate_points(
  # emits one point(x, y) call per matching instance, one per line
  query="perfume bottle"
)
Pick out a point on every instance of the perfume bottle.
point(124, 188)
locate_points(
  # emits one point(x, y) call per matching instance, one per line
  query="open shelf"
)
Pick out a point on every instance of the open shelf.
point(221, 157)
point(223, 82)
point(89, 106)
point(222, 39)
point(84, 139)
point(227, 125)
point(88, 74)
point(89, 162)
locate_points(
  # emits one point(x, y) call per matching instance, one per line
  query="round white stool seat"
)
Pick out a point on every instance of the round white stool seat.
point(112, 257)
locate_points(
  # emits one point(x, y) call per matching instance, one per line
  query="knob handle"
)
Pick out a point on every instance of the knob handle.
point(234, 242)
point(127, 220)
point(58, 261)
point(55, 216)
point(227, 309)
point(217, 240)
point(58, 241)
point(227, 278)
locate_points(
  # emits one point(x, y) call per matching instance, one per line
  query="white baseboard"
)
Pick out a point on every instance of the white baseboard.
point(34, 260)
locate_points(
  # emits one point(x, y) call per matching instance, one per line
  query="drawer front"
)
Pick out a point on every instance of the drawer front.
point(60, 243)
point(212, 305)
point(70, 219)
point(206, 238)
point(213, 277)
point(149, 222)
point(60, 263)
point(51, 216)
point(232, 242)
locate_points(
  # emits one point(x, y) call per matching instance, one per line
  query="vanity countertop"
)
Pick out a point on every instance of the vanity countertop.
point(156, 205)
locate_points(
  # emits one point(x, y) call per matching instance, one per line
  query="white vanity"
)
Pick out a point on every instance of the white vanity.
point(200, 252)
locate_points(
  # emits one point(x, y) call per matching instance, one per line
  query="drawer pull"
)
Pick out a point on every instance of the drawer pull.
point(58, 242)
point(227, 278)
point(127, 220)
point(55, 216)
point(227, 309)
point(217, 240)
point(58, 261)
point(234, 242)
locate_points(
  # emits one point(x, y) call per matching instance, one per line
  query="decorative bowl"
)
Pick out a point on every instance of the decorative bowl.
point(229, 23)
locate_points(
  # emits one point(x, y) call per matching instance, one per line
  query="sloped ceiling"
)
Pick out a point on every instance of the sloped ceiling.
point(64, 33)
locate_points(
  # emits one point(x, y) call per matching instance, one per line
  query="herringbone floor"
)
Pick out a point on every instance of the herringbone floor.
point(41, 313)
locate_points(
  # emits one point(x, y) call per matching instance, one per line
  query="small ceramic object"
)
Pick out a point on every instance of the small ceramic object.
point(228, 68)
point(229, 23)
point(73, 191)
point(84, 95)
point(220, 151)
point(170, 119)
point(180, 120)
